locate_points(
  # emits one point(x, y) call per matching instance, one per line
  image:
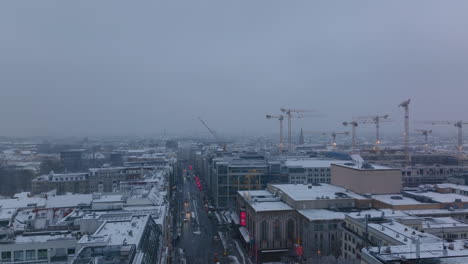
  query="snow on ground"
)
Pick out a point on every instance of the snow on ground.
point(223, 240)
point(219, 218)
point(241, 252)
point(234, 259)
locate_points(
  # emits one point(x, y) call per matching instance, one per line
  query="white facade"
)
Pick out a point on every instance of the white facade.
point(309, 170)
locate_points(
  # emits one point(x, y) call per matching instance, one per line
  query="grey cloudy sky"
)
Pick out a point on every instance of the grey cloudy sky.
point(119, 67)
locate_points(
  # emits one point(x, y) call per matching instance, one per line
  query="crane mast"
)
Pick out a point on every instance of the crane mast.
point(289, 113)
point(213, 133)
point(406, 135)
point(280, 118)
point(375, 119)
point(425, 133)
point(353, 125)
point(459, 125)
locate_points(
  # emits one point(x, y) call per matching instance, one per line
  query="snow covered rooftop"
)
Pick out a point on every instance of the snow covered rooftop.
point(441, 197)
point(403, 233)
point(114, 233)
point(423, 212)
point(453, 186)
point(108, 198)
point(6, 214)
point(302, 192)
point(387, 213)
point(263, 200)
point(312, 163)
point(22, 239)
point(395, 199)
point(441, 222)
point(454, 254)
point(322, 214)
point(22, 202)
point(64, 201)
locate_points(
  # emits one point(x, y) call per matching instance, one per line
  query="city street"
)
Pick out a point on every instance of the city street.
point(199, 237)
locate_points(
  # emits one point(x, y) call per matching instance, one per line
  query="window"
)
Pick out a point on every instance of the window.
point(264, 230)
point(42, 254)
point(30, 254)
point(290, 230)
point(6, 255)
point(276, 230)
point(71, 251)
point(18, 255)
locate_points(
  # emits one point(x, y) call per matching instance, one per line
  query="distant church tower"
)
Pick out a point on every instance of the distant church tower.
point(301, 138)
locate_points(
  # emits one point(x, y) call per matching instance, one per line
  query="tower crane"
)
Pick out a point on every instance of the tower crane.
point(293, 113)
point(330, 133)
point(374, 119)
point(425, 133)
point(459, 125)
point(218, 140)
point(353, 125)
point(406, 135)
point(280, 118)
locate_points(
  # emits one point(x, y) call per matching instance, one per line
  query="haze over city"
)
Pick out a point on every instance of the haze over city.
point(118, 67)
point(233, 132)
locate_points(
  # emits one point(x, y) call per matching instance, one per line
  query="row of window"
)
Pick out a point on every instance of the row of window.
point(71, 178)
point(318, 175)
point(20, 255)
point(321, 180)
point(264, 230)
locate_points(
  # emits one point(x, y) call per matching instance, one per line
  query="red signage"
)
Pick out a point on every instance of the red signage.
point(190, 167)
point(243, 219)
point(298, 249)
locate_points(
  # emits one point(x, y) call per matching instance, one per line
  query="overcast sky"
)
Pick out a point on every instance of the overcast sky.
point(138, 67)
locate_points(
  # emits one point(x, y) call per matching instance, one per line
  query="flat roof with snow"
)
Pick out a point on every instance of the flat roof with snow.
point(116, 232)
point(262, 201)
point(312, 163)
point(322, 214)
point(395, 199)
point(441, 197)
point(453, 186)
point(303, 192)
